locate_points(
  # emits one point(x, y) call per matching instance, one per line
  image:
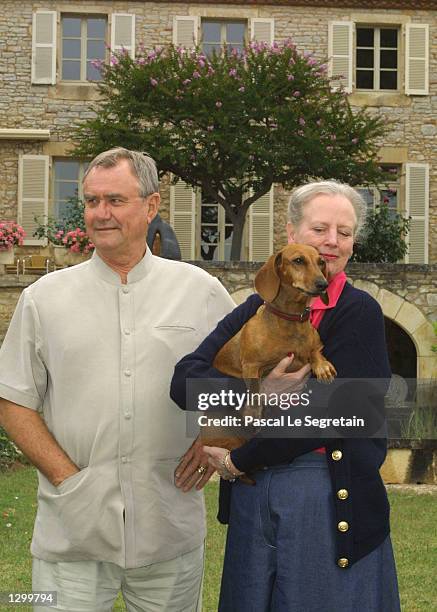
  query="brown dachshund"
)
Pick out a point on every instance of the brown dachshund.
point(287, 282)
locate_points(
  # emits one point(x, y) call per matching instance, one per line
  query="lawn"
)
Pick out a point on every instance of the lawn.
point(414, 520)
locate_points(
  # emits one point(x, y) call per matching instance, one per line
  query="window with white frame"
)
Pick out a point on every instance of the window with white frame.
point(84, 40)
point(215, 231)
point(215, 34)
point(67, 179)
point(387, 194)
point(376, 58)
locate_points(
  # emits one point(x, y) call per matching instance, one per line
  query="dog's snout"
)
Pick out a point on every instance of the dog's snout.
point(321, 284)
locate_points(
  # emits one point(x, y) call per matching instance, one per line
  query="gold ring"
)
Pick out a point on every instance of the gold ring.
point(201, 469)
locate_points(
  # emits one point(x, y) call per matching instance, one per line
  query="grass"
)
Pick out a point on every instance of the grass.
point(414, 520)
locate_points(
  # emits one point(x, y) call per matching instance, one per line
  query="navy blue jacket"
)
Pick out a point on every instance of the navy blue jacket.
point(354, 341)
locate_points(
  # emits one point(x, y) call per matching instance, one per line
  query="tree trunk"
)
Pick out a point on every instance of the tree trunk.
point(237, 235)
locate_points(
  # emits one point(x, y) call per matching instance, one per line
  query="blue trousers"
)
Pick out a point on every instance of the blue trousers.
point(280, 549)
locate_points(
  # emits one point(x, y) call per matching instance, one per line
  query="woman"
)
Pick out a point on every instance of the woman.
point(313, 534)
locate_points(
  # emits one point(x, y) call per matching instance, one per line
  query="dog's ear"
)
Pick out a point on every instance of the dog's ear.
point(267, 281)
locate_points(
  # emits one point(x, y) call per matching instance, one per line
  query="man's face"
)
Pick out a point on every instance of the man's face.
point(116, 216)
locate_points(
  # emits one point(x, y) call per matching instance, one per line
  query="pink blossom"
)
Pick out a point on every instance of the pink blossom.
point(153, 82)
point(296, 94)
point(219, 104)
point(333, 137)
point(186, 82)
point(290, 77)
point(210, 128)
point(233, 72)
point(196, 75)
point(201, 63)
point(354, 140)
point(302, 121)
point(141, 61)
point(242, 89)
point(114, 61)
point(319, 122)
point(330, 149)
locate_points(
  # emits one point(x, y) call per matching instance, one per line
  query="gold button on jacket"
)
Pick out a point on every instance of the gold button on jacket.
point(343, 562)
point(342, 494)
point(336, 455)
point(343, 526)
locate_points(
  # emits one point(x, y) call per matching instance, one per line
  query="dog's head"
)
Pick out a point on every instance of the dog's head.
point(296, 266)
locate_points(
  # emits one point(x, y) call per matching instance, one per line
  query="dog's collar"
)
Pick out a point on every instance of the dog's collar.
point(302, 317)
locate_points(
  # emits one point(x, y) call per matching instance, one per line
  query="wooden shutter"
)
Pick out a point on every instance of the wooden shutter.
point(261, 228)
point(33, 193)
point(262, 30)
point(185, 31)
point(417, 207)
point(183, 217)
point(340, 36)
point(44, 48)
point(123, 33)
point(417, 59)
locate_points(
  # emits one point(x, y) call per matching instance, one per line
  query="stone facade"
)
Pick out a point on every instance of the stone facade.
point(55, 107)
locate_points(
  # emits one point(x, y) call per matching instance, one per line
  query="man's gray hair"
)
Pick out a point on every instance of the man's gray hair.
point(141, 164)
point(305, 193)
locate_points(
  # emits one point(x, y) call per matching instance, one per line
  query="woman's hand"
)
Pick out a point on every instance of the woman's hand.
point(216, 459)
point(281, 381)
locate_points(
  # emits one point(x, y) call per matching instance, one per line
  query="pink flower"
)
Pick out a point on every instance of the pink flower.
point(242, 89)
point(141, 61)
point(218, 104)
point(201, 63)
point(319, 122)
point(296, 94)
point(290, 77)
point(354, 140)
point(330, 149)
point(233, 72)
point(153, 82)
point(196, 75)
point(114, 61)
point(210, 128)
point(333, 137)
point(186, 82)
point(302, 121)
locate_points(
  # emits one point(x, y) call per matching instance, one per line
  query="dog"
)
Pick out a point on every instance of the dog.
point(287, 282)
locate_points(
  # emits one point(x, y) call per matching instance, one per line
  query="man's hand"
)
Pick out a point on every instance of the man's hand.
point(281, 381)
point(194, 468)
point(216, 457)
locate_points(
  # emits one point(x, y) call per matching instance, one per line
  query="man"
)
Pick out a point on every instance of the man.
point(84, 375)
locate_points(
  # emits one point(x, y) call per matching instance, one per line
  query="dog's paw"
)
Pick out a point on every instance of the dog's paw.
point(325, 372)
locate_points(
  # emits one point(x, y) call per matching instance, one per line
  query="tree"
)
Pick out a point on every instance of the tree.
point(383, 237)
point(235, 123)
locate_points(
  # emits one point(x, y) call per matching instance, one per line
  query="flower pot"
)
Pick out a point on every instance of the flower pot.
point(60, 254)
point(76, 258)
point(7, 257)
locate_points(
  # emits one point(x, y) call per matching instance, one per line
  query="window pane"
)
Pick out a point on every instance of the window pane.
point(211, 31)
point(71, 70)
point(95, 49)
point(92, 73)
point(71, 26)
point(209, 49)
point(364, 58)
point(65, 190)
point(235, 32)
point(364, 79)
point(209, 214)
point(209, 234)
point(96, 28)
point(367, 195)
point(209, 252)
point(389, 38)
point(235, 46)
point(389, 59)
point(388, 80)
point(365, 37)
point(71, 49)
point(66, 170)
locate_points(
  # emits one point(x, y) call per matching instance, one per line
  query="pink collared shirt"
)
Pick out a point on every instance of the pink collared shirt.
point(318, 309)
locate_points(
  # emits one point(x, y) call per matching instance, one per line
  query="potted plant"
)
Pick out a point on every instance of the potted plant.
point(11, 234)
point(78, 244)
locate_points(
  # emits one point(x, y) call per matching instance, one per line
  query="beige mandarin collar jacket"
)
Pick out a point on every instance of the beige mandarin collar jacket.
point(96, 358)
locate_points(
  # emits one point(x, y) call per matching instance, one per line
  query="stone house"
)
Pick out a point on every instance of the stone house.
point(386, 51)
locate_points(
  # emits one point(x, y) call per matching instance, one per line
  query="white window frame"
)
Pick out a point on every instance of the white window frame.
point(223, 22)
point(83, 43)
point(376, 57)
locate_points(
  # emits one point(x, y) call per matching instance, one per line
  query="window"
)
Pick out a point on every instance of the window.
point(68, 176)
point(377, 58)
point(215, 34)
point(215, 232)
point(83, 40)
point(388, 194)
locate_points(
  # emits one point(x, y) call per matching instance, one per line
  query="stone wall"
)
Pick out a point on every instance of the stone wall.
point(56, 107)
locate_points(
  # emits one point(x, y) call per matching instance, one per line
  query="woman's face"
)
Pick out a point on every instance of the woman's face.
point(328, 224)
